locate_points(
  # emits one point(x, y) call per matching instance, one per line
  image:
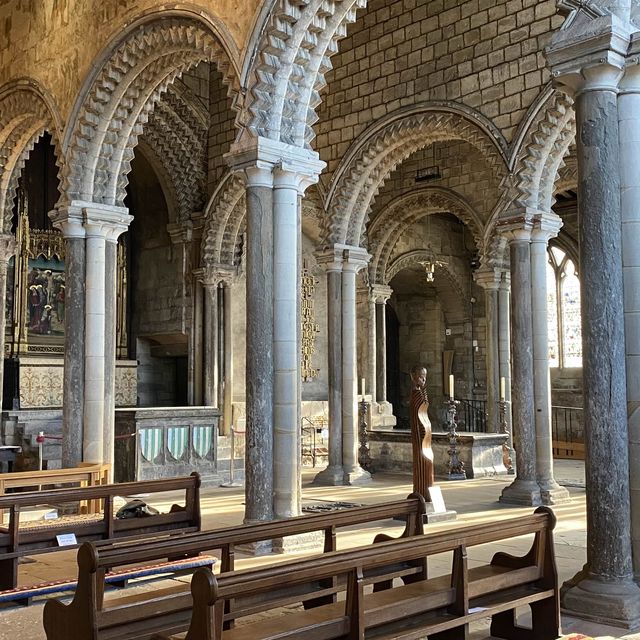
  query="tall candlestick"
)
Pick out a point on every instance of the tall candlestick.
point(362, 385)
point(451, 386)
point(502, 389)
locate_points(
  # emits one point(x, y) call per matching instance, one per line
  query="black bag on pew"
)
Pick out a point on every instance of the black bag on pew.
point(136, 509)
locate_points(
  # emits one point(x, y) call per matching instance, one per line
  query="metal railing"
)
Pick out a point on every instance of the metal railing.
point(314, 445)
point(567, 428)
point(472, 416)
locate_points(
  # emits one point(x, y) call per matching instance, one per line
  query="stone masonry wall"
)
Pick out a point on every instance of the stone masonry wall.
point(486, 54)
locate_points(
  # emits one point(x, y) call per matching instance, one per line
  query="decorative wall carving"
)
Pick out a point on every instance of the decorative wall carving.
point(309, 325)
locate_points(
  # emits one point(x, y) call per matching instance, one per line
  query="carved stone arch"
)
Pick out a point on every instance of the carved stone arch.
point(291, 55)
point(25, 114)
point(451, 295)
point(164, 174)
point(385, 145)
point(122, 93)
point(542, 149)
point(567, 179)
point(387, 228)
point(224, 216)
point(177, 134)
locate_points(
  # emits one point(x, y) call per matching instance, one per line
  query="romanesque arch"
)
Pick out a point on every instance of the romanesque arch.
point(25, 114)
point(407, 209)
point(224, 217)
point(291, 52)
point(120, 96)
point(177, 136)
point(385, 145)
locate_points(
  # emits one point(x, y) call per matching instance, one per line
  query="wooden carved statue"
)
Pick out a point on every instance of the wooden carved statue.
point(423, 471)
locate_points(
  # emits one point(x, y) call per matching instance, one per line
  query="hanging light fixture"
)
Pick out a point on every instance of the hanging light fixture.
point(430, 269)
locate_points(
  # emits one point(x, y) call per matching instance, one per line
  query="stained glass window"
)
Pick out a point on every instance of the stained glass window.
point(563, 311)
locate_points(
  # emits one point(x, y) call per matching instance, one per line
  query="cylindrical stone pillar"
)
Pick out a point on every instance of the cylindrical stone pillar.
point(227, 384)
point(286, 376)
point(524, 489)
point(259, 346)
point(629, 123)
point(334, 473)
point(492, 353)
point(7, 249)
point(372, 349)
point(111, 271)
point(353, 472)
point(210, 364)
point(504, 351)
point(546, 227)
point(381, 355)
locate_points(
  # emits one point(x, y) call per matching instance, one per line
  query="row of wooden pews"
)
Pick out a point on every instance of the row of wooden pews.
point(379, 591)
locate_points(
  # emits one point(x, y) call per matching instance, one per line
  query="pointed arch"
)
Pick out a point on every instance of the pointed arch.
point(377, 152)
point(110, 114)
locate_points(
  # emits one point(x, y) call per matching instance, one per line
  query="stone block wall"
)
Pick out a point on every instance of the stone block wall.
point(221, 129)
point(486, 54)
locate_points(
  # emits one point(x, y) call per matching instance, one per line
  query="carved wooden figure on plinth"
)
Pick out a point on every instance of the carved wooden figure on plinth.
point(423, 469)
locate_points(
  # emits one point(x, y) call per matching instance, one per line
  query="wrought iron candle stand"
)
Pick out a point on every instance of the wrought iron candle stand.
point(506, 447)
point(364, 455)
point(456, 466)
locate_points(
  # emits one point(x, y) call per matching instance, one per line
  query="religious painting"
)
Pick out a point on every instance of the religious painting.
point(45, 297)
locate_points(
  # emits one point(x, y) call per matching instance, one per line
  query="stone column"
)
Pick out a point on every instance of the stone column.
point(7, 249)
point(489, 280)
point(259, 332)
point(69, 222)
point(331, 259)
point(227, 383)
point(372, 371)
point(101, 224)
point(590, 69)
point(504, 337)
point(524, 489)
point(354, 259)
point(211, 338)
point(381, 293)
point(111, 319)
point(629, 125)
point(546, 226)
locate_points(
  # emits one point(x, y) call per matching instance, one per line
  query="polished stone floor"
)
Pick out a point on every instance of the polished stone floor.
point(474, 501)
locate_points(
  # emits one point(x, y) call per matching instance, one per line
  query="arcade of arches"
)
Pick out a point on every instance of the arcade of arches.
point(220, 218)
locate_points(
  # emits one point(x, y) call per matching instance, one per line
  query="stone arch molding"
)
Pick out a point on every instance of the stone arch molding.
point(385, 145)
point(25, 114)
point(388, 227)
point(291, 54)
point(224, 217)
point(111, 112)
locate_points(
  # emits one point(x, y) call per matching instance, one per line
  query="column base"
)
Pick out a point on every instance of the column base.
point(615, 603)
point(302, 542)
point(332, 476)
point(522, 492)
point(552, 493)
point(357, 476)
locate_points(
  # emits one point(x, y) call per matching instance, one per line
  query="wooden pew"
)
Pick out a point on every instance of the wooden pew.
point(441, 608)
point(171, 609)
point(21, 539)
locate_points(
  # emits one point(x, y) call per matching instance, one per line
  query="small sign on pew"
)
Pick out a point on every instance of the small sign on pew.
point(66, 539)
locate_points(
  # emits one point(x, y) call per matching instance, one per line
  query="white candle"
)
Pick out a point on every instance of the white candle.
point(502, 389)
point(362, 385)
point(451, 386)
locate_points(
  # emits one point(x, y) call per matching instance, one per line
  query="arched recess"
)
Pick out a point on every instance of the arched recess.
point(25, 114)
point(376, 153)
point(290, 53)
point(224, 217)
point(386, 229)
point(177, 136)
point(118, 99)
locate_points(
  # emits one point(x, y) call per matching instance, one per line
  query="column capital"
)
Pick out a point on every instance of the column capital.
point(488, 278)
point(180, 232)
point(354, 258)
point(211, 275)
point(630, 82)
point(518, 226)
point(79, 219)
point(267, 162)
point(330, 258)
point(381, 293)
point(589, 57)
point(7, 247)
point(545, 226)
